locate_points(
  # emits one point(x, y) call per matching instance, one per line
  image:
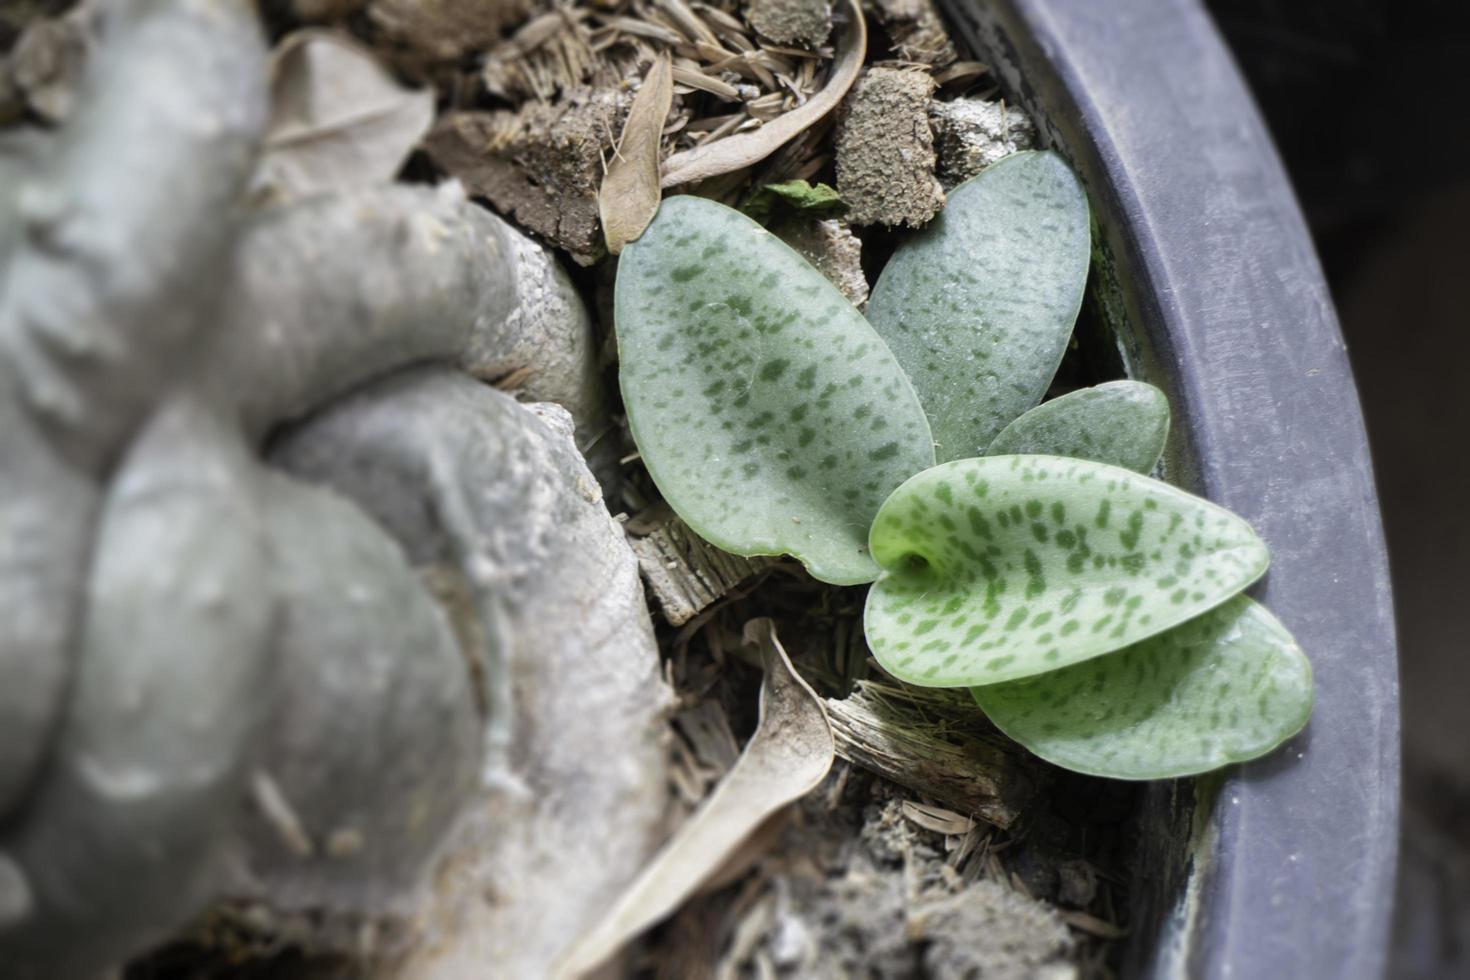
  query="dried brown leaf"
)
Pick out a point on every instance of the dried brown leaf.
point(961, 72)
point(719, 18)
point(742, 150)
point(937, 818)
point(1093, 925)
point(695, 78)
point(630, 192)
point(688, 21)
point(46, 67)
point(642, 28)
point(339, 120)
point(788, 756)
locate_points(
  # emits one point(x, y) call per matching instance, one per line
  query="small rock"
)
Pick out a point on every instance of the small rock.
point(833, 249)
point(885, 150)
point(805, 22)
point(972, 134)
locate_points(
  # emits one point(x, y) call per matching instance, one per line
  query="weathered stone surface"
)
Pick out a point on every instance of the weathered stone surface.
point(219, 682)
point(495, 493)
point(355, 784)
point(971, 134)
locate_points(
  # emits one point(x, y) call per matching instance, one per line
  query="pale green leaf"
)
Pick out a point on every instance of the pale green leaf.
point(978, 307)
point(1006, 566)
point(1226, 686)
point(770, 415)
point(1122, 422)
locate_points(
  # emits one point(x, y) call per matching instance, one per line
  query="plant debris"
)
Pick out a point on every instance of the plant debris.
point(917, 31)
point(885, 150)
point(866, 883)
point(338, 119)
point(630, 193)
point(744, 148)
point(787, 757)
point(42, 72)
point(684, 573)
point(542, 164)
point(933, 741)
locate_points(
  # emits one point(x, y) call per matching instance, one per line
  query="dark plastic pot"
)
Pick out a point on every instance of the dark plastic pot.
point(1208, 279)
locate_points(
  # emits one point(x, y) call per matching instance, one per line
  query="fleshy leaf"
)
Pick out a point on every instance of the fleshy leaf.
point(978, 307)
point(1226, 686)
point(1122, 422)
point(1006, 566)
point(770, 415)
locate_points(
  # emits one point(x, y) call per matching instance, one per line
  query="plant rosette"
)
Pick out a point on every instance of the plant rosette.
point(1094, 612)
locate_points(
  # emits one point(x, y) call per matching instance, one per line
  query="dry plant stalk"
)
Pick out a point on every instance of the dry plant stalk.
point(932, 741)
point(685, 573)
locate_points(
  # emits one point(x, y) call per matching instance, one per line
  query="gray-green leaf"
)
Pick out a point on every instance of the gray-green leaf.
point(979, 305)
point(1123, 423)
point(770, 415)
point(1227, 686)
point(1006, 566)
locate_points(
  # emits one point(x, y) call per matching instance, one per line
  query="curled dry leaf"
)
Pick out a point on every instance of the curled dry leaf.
point(339, 120)
point(788, 756)
point(743, 149)
point(937, 818)
point(630, 193)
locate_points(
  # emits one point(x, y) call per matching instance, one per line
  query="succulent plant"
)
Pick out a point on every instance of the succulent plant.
point(1094, 611)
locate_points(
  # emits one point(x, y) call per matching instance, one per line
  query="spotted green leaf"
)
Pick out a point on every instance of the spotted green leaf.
point(1006, 566)
point(770, 415)
point(978, 307)
point(1224, 687)
point(1122, 422)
